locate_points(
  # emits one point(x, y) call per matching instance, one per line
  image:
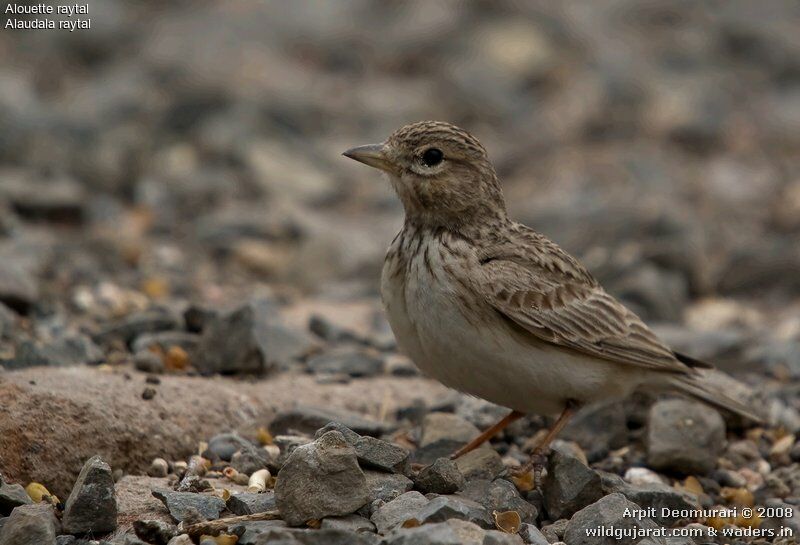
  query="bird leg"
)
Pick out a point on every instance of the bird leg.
point(501, 424)
point(539, 454)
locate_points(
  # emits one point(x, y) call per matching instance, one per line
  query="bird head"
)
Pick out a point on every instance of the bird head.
point(440, 172)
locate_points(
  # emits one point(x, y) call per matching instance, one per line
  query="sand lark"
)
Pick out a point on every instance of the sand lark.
point(492, 308)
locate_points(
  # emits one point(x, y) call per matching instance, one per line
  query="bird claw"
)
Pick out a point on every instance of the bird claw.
point(536, 464)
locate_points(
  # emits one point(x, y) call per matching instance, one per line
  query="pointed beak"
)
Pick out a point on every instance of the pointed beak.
point(372, 155)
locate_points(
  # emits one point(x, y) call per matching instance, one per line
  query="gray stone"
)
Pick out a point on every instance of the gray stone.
point(224, 445)
point(441, 477)
point(397, 511)
point(352, 523)
point(481, 463)
point(569, 486)
point(286, 444)
point(18, 287)
point(320, 479)
point(331, 536)
point(187, 505)
point(11, 496)
point(251, 458)
point(446, 427)
point(555, 532)
point(307, 420)
point(598, 429)
point(128, 328)
point(684, 436)
point(349, 435)
point(182, 539)
point(531, 535)
point(354, 362)
point(452, 532)
point(499, 495)
point(249, 340)
point(92, 505)
point(654, 495)
point(249, 532)
point(443, 508)
point(30, 525)
point(378, 454)
point(66, 540)
point(70, 349)
point(609, 512)
point(496, 537)
point(386, 486)
point(148, 362)
point(155, 531)
point(247, 503)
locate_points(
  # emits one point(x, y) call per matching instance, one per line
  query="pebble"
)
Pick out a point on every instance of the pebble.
point(187, 505)
point(684, 436)
point(182, 539)
point(397, 511)
point(481, 463)
point(441, 477)
point(378, 454)
point(92, 505)
point(656, 495)
point(353, 362)
point(598, 429)
point(149, 393)
point(452, 532)
point(11, 496)
point(320, 479)
point(443, 508)
point(607, 512)
point(569, 486)
point(30, 525)
point(499, 495)
point(159, 467)
point(128, 328)
point(247, 503)
point(351, 523)
point(251, 458)
point(224, 445)
point(386, 486)
point(531, 535)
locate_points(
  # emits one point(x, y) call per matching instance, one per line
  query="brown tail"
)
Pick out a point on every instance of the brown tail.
point(699, 386)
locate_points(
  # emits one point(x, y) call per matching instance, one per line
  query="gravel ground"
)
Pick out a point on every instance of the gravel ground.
point(189, 270)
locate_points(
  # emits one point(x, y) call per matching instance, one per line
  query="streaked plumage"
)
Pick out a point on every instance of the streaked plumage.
point(492, 308)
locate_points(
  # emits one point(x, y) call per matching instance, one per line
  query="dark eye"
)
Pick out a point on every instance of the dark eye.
point(432, 157)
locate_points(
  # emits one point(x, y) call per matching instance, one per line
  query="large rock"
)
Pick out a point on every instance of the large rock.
point(320, 479)
point(609, 514)
point(569, 486)
point(92, 505)
point(78, 412)
point(30, 525)
point(684, 436)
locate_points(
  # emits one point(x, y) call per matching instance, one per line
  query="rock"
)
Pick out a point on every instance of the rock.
point(555, 532)
point(18, 287)
point(148, 362)
point(598, 429)
point(349, 435)
point(186, 505)
point(481, 463)
point(247, 503)
point(531, 535)
point(397, 511)
point(569, 486)
point(92, 505)
point(684, 436)
point(128, 328)
point(350, 523)
point(307, 420)
point(386, 486)
point(446, 427)
point(250, 532)
point(182, 539)
point(378, 454)
point(499, 495)
point(443, 508)
point(348, 361)
point(71, 349)
point(249, 340)
point(155, 531)
point(655, 495)
point(453, 532)
point(164, 340)
point(224, 445)
point(11, 496)
point(66, 540)
point(496, 537)
point(251, 458)
point(441, 477)
point(609, 512)
point(319, 480)
point(158, 468)
point(30, 525)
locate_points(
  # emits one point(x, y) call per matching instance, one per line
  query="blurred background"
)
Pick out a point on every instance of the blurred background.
point(185, 149)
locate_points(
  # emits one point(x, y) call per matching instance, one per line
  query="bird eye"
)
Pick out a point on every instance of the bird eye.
point(432, 157)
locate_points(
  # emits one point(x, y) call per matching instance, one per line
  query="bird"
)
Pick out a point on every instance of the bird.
point(494, 309)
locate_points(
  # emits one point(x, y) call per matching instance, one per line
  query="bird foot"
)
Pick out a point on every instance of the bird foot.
point(536, 464)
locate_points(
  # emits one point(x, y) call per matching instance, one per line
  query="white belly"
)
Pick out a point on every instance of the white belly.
point(474, 350)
